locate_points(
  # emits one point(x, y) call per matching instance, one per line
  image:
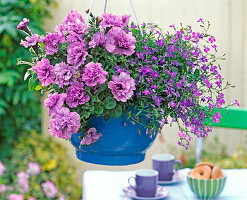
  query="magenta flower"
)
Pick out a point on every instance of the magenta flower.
point(33, 168)
point(119, 42)
point(90, 137)
point(110, 20)
point(94, 74)
point(76, 95)
point(77, 53)
point(216, 117)
point(74, 37)
point(64, 123)
point(23, 25)
point(31, 41)
point(51, 41)
point(236, 103)
point(122, 86)
point(64, 74)
point(2, 168)
point(49, 189)
point(55, 102)
point(2, 188)
point(99, 39)
point(125, 20)
point(16, 197)
point(45, 72)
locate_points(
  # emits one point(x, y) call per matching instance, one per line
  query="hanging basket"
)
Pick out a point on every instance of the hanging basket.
point(120, 143)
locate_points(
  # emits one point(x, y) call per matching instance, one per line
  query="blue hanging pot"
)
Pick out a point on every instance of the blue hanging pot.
point(120, 143)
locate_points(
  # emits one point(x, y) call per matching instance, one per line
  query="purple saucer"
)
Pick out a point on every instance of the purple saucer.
point(160, 194)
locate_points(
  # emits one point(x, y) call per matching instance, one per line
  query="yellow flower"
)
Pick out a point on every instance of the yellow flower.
point(50, 165)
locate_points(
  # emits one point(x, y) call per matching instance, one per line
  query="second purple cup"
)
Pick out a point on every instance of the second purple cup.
point(165, 165)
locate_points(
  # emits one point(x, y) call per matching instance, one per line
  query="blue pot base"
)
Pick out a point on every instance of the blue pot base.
point(110, 159)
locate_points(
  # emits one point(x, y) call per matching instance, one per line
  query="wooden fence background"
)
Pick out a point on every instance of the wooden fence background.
point(229, 25)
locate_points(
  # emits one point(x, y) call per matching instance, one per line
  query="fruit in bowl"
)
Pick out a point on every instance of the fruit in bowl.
point(206, 180)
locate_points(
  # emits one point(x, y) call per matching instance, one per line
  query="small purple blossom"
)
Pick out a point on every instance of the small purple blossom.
point(23, 25)
point(51, 42)
point(49, 189)
point(45, 72)
point(31, 41)
point(33, 168)
point(236, 103)
point(94, 74)
point(122, 86)
point(64, 123)
point(99, 39)
point(216, 118)
point(77, 53)
point(55, 102)
point(119, 42)
point(76, 95)
point(90, 137)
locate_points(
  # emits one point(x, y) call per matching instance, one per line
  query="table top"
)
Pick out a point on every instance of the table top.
point(108, 185)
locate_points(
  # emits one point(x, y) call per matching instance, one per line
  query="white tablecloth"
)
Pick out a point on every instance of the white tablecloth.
point(108, 185)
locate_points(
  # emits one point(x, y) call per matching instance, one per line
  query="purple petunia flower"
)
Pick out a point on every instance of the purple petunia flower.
point(64, 123)
point(2, 168)
point(16, 197)
point(122, 86)
point(49, 189)
point(76, 95)
point(64, 74)
point(51, 41)
point(114, 20)
point(77, 53)
point(119, 42)
point(73, 38)
point(125, 20)
point(45, 72)
point(31, 41)
point(94, 74)
point(55, 102)
point(23, 25)
point(99, 39)
point(91, 137)
point(33, 168)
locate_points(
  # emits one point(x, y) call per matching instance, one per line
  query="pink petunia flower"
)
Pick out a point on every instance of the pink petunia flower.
point(55, 102)
point(31, 41)
point(90, 137)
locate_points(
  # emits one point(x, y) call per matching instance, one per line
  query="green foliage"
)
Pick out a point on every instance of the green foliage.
point(50, 155)
point(19, 108)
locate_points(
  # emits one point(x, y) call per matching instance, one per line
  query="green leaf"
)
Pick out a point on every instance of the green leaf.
point(38, 87)
point(31, 84)
point(117, 111)
point(99, 110)
point(101, 89)
point(109, 103)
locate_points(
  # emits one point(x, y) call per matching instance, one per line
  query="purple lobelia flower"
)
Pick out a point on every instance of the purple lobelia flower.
point(64, 74)
point(99, 39)
point(76, 95)
point(31, 41)
point(49, 189)
point(51, 42)
point(55, 102)
point(94, 74)
point(90, 137)
point(119, 42)
point(77, 53)
point(64, 123)
point(45, 72)
point(122, 86)
point(23, 25)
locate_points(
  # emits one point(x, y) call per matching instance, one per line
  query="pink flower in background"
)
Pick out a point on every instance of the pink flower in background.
point(2, 168)
point(90, 137)
point(16, 197)
point(99, 39)
point(2, 188)
point(64, 123)
point(76, 95)
point(22, 185)
point(64, 74)
point(33, 168)
point(45, 72)
point(22, 175)
point(216, 117)
point(119, 42)
point(77, 53)
point(51, 41)
point(122, 86)
point(55, 102)
point(23, 25)
point(94, 74)
point(62, 197)
point(49, 189)
point(31, 41)
point(31, 198)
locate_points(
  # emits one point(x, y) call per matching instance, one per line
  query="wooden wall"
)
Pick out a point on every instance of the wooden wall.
point(229, 25)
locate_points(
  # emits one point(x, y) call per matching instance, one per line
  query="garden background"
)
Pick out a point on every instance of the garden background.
point(20, 110)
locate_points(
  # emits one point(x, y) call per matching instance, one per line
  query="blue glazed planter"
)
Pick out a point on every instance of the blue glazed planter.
point(119, 144)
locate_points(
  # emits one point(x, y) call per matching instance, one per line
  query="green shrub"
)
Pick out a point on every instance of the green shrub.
point(19, 108)
point(51, 156)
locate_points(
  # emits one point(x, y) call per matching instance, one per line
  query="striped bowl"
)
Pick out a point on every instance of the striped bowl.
point(206, 188)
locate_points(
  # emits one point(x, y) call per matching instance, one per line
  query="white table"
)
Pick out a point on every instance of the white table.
point(107, 185)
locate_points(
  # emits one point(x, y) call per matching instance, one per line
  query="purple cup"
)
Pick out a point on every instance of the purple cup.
point(146, 182)
point(165, 164)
